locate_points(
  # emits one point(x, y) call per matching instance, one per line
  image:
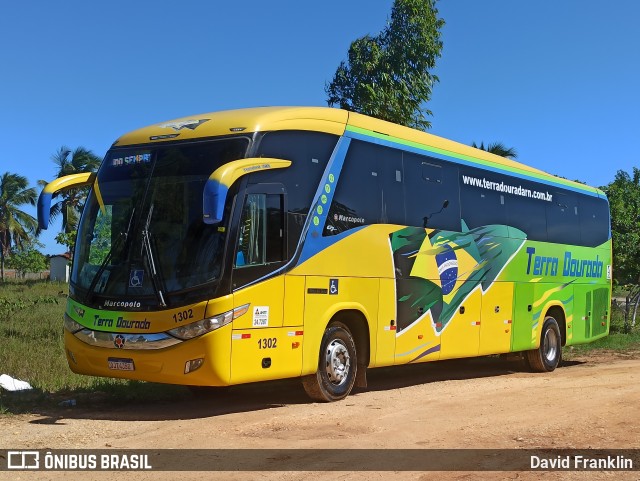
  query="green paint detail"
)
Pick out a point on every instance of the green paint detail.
point(522, 322)
point(323, 199)
point(107, 321)
point(316, 221)
point(501, 258)
point(332, 178)
point(327, 188)
point(545, 178)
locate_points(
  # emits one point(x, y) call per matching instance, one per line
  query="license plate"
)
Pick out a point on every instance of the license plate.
point(119, 364)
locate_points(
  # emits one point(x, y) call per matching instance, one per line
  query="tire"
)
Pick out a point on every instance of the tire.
point(337, 366)
point(548, 356)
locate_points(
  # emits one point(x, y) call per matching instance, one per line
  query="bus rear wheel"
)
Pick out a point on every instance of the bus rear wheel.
point(548, 356)
point(337, 366)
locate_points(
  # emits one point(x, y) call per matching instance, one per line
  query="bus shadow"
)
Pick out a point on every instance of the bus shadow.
point(451, 370)
point(213, 402)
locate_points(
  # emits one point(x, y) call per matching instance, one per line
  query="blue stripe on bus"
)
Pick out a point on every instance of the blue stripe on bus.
point(314, 242)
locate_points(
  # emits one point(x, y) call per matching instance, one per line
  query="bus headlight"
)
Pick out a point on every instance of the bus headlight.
point(195, 329)
point(71, 325)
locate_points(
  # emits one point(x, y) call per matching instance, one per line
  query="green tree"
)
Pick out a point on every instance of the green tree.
point(67, 239)
point(16, 226)
point(624, 202)
point(27, 258)
point(71, 201)
point(497, 148)
point(388, 76)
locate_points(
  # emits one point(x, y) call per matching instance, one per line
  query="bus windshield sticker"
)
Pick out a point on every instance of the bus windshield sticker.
point(136, 276)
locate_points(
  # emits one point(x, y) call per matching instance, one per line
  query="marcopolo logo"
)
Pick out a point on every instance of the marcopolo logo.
point(124, 304)
point(344, 218)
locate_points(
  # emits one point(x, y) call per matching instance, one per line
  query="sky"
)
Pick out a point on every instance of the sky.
point(557, 80)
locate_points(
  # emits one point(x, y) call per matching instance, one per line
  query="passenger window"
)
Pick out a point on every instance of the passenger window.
point(370, 189)
point(563, 225)
point(594, 221)
point(432, 193)
point(483, 197)
point(309, 153)
point(526, 218)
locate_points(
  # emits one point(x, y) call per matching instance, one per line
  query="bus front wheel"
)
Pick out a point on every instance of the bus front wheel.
point(337, 366)
point(548, 356)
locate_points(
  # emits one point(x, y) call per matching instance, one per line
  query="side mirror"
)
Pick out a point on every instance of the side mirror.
point(445, 204)
point(216, 189)
point(63, 183)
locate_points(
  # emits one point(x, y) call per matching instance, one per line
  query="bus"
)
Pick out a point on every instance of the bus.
point(281, 242)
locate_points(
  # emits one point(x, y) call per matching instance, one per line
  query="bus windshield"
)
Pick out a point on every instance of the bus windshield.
point(141, 234)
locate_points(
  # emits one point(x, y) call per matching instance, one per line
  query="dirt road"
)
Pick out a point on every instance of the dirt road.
point(589, 402)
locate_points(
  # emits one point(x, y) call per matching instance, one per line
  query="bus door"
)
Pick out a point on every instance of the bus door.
point(387, 324)
point(524, 336)
point(259, 343)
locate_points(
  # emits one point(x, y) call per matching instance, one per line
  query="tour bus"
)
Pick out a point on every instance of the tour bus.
point(311, 242)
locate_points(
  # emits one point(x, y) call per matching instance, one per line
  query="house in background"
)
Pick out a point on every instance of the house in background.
point(60, 265)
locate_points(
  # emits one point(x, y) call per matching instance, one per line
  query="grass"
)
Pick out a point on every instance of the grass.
point(616, 341)
point(31, 349)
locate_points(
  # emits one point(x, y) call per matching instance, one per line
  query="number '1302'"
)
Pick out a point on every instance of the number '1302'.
point(267, 343)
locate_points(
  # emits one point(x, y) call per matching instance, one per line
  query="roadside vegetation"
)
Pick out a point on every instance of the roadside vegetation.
point(32, 350)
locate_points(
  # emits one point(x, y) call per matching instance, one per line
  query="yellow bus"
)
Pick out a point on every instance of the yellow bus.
point(311, 242)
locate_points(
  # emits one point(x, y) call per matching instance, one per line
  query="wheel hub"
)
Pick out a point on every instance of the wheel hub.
point(338, 362)
point(550, 346)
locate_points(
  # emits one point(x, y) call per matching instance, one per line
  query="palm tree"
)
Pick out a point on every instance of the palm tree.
point(16, 226)
point(497, 148)
point(71, 201)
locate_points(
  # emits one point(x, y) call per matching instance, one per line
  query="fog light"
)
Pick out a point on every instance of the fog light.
point(192, 365)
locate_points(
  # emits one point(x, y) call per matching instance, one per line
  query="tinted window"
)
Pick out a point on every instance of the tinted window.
point(430, 185)
point(483, 201)
point(369, 190)
point(309, 153)
point(594, 220)
point(563, 224)
point(527, 215)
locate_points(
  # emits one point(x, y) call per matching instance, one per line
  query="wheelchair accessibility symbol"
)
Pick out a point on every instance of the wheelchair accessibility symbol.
point(136, 276)
point(333, 286)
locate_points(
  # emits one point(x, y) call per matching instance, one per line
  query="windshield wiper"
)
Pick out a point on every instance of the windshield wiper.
point(148, 248)
point(120, 241)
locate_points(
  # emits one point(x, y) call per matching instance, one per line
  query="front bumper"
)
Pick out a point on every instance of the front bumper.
point(165, 365)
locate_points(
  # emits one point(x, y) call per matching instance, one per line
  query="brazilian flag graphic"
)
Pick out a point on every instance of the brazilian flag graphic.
point(436, 270)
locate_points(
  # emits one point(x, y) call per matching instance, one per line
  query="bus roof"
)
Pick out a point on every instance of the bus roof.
point(334, 121)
